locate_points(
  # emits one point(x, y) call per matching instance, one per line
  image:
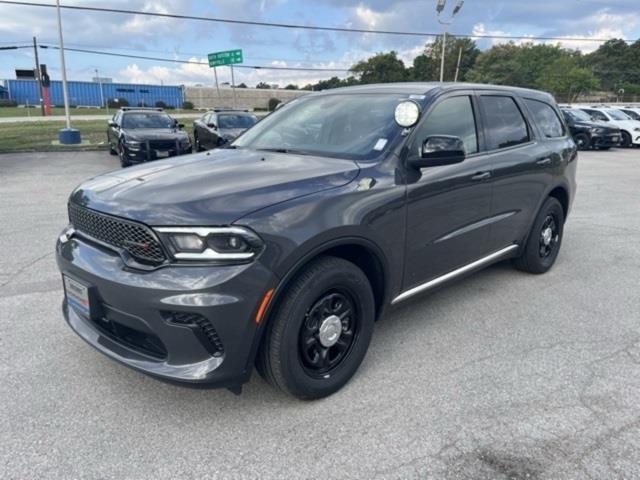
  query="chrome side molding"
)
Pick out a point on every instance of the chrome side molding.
point(451, 275)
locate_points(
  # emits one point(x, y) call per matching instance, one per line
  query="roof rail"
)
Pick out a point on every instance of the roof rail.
point(153, 109)
point(228, 109)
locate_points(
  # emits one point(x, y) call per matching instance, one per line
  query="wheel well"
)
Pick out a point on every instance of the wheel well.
point(368, 262)
point(562, 196)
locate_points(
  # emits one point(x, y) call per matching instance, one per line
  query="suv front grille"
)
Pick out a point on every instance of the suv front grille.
point(135, 238)
point(202, 327)
point(162, 145)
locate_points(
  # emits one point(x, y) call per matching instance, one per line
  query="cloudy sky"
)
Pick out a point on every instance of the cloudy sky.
point(192, 40)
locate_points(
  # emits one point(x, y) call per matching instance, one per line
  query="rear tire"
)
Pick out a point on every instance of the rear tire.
point(112, 151)
point(542, 247)
point(320, 330)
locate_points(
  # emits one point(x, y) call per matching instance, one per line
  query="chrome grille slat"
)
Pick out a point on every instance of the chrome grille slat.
point(135, 238)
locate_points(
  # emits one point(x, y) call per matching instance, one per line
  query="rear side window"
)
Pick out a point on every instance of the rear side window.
point(546, 118)
point(453, 116)
point(506, 126)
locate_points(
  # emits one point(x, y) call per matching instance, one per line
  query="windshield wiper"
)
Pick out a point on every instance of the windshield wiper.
point(283, 150)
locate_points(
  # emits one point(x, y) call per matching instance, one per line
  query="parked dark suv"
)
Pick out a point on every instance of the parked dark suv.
point(219, 127)
point(138, 135)
point(282, 249)
point(590, 134)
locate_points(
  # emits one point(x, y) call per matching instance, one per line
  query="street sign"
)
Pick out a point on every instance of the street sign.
point(228, 57)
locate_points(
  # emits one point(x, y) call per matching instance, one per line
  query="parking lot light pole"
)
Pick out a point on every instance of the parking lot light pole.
point(66, 135)
point(439, 9)
point(101, 92)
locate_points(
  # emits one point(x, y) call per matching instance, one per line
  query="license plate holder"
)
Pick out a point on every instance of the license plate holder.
point(78, 295)
point(162, 153)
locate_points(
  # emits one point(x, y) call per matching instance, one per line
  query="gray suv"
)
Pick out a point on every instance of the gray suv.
point(281, 249)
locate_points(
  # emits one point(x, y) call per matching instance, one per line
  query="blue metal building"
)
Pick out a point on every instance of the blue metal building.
point(88, 93)
point(4, 93)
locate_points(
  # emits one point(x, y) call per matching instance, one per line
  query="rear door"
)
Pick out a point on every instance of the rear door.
point(447, 206)
point(522, 166)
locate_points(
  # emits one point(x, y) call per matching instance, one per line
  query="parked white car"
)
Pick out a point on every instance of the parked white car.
point(629, 128)
point(633, 112)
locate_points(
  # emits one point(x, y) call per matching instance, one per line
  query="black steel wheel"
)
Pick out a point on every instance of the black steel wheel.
point(328, 332)
point(582, 141)
point(543, 245)
point(319, 331)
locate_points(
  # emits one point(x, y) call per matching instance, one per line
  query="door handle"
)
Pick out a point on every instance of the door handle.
point(481, 176)
point(543, 162)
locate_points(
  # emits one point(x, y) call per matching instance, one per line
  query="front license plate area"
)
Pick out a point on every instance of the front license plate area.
point(77, 295)
point(162, 153)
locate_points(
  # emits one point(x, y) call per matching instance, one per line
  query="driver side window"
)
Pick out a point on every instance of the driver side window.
point(453, 116)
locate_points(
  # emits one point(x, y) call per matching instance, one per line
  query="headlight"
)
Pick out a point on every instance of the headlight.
point(132, 144)
point(225, 244)
point(637, 129)
point(597, 130)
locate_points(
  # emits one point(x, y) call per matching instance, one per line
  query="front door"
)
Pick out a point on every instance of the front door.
point(448, 207)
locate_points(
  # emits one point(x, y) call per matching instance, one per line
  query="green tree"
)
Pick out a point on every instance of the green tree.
point(263, 85)
point(566, 79)
point(381, 68)
point(291, 86)
point(426, 67)
point(242, 85)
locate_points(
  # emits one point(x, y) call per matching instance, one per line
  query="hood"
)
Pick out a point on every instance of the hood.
point(143, 134)
point(212, 188)
point(596, 125)
point(231, 133)
point(629, 125)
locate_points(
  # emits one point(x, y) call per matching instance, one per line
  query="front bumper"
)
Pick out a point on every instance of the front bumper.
point(606, 141)
point(134, 315)
point(147, 152)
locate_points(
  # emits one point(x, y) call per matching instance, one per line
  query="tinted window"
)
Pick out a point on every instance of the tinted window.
point(453, 116)
point(546, 118)
point(505, 124)
point(147, 120)
point(236, 121)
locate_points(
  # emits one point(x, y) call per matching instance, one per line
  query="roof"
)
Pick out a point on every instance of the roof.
point(420, 88)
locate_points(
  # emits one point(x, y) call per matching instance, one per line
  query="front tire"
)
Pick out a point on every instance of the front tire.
point(124, 161)
point(582, 141)
point(543, 245)
point(321, 330)
point(626, 140)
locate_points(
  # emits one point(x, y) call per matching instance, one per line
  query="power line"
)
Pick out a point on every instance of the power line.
point(299, 26)
point(173, 60)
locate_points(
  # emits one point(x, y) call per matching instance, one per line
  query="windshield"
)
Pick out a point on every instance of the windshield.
point(147, 120)
point(618, 115)
point(236, 121)
point(633, 114)
point(578, 115)
point(354, 126)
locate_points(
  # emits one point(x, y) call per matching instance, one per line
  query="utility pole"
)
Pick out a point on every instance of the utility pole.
point(439, 9)
point(101, 92)
point(215, 73)
point(458, 65)
point(233, 87)
point(39, 74)
point(68, 135)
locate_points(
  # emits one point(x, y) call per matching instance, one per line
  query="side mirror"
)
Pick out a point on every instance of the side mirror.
point(180, 125)
point(113, 124)
point(212, 125)
point(440, 150)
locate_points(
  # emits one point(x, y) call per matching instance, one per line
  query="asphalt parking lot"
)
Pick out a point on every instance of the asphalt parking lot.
point(501, 375)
